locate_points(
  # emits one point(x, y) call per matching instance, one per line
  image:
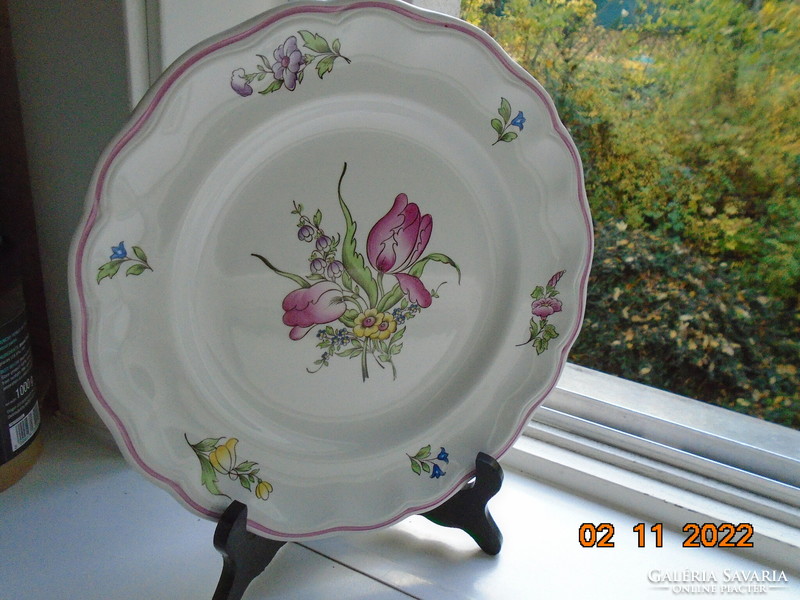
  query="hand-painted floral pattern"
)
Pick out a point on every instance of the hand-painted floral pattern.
point(342, 286)
point(544, 305)
point(119, 256)
point(288, 63)
point(424, 461)
point(218, 457)
point(503, 128)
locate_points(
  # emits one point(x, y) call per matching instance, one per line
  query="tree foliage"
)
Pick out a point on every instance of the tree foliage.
point(687, 117)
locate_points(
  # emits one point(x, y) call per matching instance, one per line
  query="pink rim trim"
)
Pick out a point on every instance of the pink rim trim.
point(158, 96)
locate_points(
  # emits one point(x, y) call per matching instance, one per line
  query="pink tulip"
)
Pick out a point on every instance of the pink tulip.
point(397, 241)
point(399, 238)
point(306, 307)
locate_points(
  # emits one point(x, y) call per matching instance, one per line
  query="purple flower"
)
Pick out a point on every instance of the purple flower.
point(544, 307)
point(288, 63)
point(397, 241)
point(318, 265)
point(436, 472)
point(323, 242)
point(239, 83)
point(443, 455)
point(316, 305)
point(555, 279)
point(305, 233)
point(335, 269)
point(119, 252)
point(519, 120)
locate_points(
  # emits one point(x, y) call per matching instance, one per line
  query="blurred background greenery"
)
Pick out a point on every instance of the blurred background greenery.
point(687, 118)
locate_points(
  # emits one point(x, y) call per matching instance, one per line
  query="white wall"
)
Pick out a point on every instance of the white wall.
point(71, 69)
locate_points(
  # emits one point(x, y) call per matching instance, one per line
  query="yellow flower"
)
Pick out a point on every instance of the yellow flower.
point(263, 490)
point(386, 327)
point(367, 323)
point(223, 457)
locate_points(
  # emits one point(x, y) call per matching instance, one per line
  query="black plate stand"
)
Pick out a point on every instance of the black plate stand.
point(245, 555)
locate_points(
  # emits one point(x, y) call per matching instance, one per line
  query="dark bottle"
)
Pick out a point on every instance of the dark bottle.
point(20, 444)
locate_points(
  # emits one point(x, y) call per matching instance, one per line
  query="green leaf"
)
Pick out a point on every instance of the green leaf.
point(497, 125)
point(272, 87)
point(139, 253)
point(540, 344)
point(245, 481)
point(534, 328)
point(347, 281)
point(396, 349)
point(336, 45)
point(317, 218)
point(509, 136)
point(426, 467)
point(348, 319)
point(549, 332)
point(415, 466)
point(504, 110)
point(136, 269)
point(296, 278)
point(354, 262)
point(309, 58)
point(109, 269)
point(300, 75)
point(245, 466)
point(538, 292)
point(350, 352)
point(325, 66)
point(398, 335)
point(385, 358)
point(206, 445)
point(424, 452)
point(314, 42)
point(208, 476)
point(419, 266)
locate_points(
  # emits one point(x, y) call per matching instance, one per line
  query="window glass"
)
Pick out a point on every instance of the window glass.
point(686, 115)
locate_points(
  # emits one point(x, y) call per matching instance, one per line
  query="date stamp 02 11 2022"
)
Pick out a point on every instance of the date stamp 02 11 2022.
point(707, 535)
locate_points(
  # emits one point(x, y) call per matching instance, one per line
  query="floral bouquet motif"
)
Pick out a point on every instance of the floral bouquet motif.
point(341, 287)
point(288, 63)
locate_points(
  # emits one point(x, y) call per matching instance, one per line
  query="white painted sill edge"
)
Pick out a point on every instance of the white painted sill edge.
point(670, 459)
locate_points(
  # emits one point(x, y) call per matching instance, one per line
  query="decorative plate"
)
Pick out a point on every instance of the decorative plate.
point(336, 252)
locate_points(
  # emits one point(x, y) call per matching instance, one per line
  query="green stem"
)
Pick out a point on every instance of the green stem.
point(364, 372)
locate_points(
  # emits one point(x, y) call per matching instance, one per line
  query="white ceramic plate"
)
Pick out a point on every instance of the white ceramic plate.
point(336, 252)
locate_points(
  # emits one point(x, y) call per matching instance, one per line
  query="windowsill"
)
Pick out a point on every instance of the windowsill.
point(83, 524)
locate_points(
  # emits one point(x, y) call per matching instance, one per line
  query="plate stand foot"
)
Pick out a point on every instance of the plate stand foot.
point(244, 555)
point(468, 509)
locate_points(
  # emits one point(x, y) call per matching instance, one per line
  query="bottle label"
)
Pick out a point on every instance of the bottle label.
point(19, 410)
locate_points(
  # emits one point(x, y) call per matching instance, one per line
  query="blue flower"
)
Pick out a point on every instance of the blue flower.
point(519, 120)
point(443, 456)
point(437, 472)
point(119, 252)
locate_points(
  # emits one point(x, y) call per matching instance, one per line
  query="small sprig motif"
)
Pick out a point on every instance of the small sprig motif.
point(288, 64)
point(543, 306)
point(503, 128)
point(424, 461)
point(119, 256)
point(372, 296)
point(218, 457)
